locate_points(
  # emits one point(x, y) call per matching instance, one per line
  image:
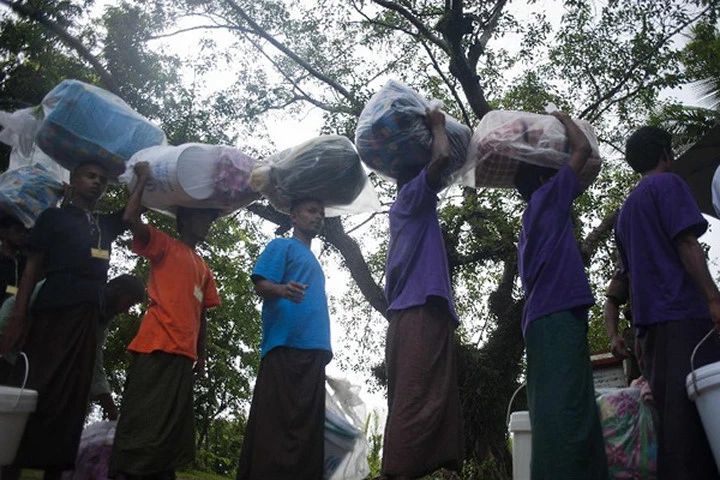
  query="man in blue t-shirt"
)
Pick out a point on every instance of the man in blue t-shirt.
point(567, 440)
point(285, 430)
point(675, 301)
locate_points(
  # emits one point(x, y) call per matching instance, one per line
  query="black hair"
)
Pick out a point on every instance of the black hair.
point(645, 147)
point(406, 174)
point(8, 221)
point(529, 178)
point(181, 211)
point(296, 202)
point(128, 285)
point(77, 167)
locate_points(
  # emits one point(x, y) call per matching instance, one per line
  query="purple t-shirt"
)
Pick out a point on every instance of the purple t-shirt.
point(549, 259)
point(417, 265)
point(658, 209)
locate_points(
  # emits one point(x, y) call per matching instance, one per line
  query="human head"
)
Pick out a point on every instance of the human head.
point(13, 232)
point(89, 182)
point(647, 148)
point(193, 224)
point(529, 178)
point(406, 174)
point(122, 292)
point(308, 216)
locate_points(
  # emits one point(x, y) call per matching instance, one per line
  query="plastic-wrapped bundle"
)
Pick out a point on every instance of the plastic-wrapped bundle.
point(194, 175)
point(326, 168)
point(84, 123)
point(92, 462)
point(27, 191)
point(630, 438)
point(392, 135)
point(345, 444)
point(505, 138)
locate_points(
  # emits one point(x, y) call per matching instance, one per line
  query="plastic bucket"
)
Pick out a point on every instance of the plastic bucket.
point(15, 406)
point(703, 387)
point(521, 444)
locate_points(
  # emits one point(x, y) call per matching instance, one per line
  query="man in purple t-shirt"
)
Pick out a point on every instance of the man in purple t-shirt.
point(567, 440)
point(675, 302)
point(423, 431)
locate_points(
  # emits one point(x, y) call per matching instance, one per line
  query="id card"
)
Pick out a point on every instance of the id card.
point(11, 289)
point(100, 253)
point(198, 294)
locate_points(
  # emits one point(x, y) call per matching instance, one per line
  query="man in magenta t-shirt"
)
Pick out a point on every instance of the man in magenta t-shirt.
point(567, 440)
point(423, 431)
point(675, 302)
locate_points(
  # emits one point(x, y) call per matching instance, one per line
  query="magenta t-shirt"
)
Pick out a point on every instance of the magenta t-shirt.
point(417, 265)
point(549, 260)
point(658, 210)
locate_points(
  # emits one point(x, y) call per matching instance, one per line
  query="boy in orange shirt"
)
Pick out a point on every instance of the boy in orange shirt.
point(156, 433)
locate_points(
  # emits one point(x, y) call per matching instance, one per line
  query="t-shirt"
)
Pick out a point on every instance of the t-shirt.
point(180, 286)
point(68, 236)
point(417, 265)
point(549, 259)
point(304, 325)
point(659, 209)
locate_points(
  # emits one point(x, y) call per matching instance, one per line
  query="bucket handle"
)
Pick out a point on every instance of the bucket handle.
point(27, 371)
point(512, 399)
point(692, 361)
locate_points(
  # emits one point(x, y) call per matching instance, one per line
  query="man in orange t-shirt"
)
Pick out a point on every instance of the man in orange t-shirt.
point(156, 433)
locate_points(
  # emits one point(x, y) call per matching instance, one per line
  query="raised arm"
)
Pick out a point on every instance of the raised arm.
point(134, 208)
point(440, 156)
point(580, 149)
point(693, 259)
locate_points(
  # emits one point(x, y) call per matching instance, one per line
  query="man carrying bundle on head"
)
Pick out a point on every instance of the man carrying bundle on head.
point(284, 437)
point(567, 441)
point(675, 301)
point(424, 428)
point(71, 247)
point(155, 432)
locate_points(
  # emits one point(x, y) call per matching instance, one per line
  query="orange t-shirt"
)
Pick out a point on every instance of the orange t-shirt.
point(181, 285)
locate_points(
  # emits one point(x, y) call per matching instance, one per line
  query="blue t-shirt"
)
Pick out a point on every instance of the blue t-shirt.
point(417, 266)
point(304, 325)
point(549, 258)
point(659, 209)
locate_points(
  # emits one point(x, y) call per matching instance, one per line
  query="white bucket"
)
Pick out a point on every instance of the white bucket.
point(521, 444)
point(194, 175)
point(16, 404)
point(703, 387)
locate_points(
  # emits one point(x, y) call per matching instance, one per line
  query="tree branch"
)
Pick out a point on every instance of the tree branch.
point(25, 10)
point(192, 29)
point(453, 90)
point(258, 30)
point(421, 27)
point(597, 236)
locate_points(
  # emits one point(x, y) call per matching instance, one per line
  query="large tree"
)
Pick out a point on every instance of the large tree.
point(605, 62)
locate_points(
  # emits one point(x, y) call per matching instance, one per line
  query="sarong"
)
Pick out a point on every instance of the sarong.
point(284, 436)
point(683, 449)
point(61, 350)
point(567, 440)
point(156, 428)
point(424, 426)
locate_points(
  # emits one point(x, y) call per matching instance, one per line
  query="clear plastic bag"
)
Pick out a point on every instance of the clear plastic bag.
point(19, 129)
point(392, 135)
point(505, 138)
point(346, 447)
point(326, 168)
point(84, 123)
point(93, 457)
point(27, 191)
point(194, 175)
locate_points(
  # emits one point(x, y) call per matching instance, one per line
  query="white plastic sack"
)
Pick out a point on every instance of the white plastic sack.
point(19, 129)
point(28, 191)
point(84, 123)
point(194, 175)
point(326, 168)
point(392, 135)
point(92, 462)
point(505, 138)
point(346, 447)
